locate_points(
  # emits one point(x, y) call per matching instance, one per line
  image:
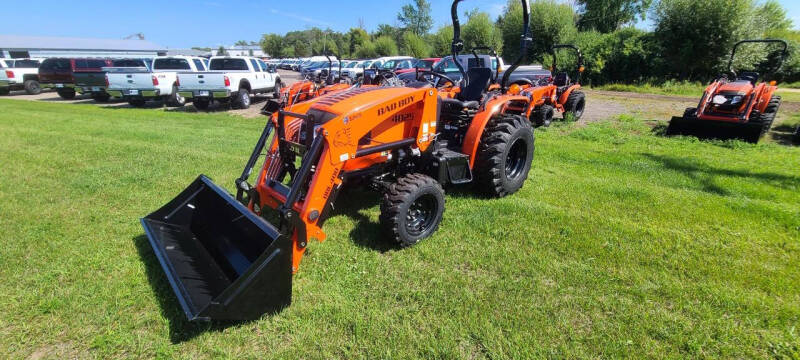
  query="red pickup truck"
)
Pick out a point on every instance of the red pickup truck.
point(58, 73)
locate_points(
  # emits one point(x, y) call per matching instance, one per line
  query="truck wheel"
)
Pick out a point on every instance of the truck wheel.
point(276, 93)
point(201, 104)
point(101, 97)
point(242, 99)
point(32, 87)
point(137, 102)
point(175, 99)
point(543, 115)
point(412, 209)
point(576, 103)
point(504, 155)
point(66, 94)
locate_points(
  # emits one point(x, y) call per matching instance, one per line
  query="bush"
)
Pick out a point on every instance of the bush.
point(385, 46)
point(551, 23)
point(415, 46)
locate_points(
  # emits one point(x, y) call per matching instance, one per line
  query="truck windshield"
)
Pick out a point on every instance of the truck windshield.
point(171, 64)
point(26, 64)
point(128, 63)
point(228, 64)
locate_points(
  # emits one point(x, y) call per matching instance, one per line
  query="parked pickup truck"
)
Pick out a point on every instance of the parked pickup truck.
point(58, 73)
point(137, 84)
point(94, 82)
point(20, 74)
point(231, 79)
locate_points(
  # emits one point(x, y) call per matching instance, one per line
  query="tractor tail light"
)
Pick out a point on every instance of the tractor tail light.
point(155, 81)
point(227, 81)
point(10, 74)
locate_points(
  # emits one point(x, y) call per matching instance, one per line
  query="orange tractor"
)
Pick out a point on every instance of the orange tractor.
point(556, 93)
point(307, 89)
point(734, 105)
point(233, 258)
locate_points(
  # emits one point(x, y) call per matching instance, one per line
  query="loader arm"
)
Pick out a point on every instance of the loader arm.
point(379, 121)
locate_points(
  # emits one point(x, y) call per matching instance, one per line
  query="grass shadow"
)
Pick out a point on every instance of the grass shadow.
point(705, 175)
point(365, 233)
point(180, 328)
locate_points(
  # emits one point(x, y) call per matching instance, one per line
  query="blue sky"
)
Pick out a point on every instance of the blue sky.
point(185, 23)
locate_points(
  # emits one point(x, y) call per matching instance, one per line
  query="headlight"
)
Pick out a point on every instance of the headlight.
point(736, 99)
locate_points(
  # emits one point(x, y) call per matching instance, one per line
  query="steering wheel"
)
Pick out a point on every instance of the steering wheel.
point(436, 74)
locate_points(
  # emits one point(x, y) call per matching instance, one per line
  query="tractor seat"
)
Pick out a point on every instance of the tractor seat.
point(455, 105)
point(479, 78)
point(750, 76)
point(561, 79)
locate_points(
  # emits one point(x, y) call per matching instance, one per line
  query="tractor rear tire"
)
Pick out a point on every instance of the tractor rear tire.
point(505, 154)
point(241, 100)
point(412, 209)
point(543, 116)
point(66, 93)
point(32, 87)
point(201, 104)
point(575, 105)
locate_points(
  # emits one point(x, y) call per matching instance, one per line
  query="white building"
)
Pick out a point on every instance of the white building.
point(15, 46)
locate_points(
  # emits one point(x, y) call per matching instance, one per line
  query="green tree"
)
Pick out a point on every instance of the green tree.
point(608, 15)
point(221, 51)
point(385, 46)
point(366, 50)
point(288, 52)
point(480, 31)
point(696, 36)
point(241, 43)
point(414, 45)
point(551, 23)
point(441, 40)
point(301, 49)
point(272, 44)
point(416, 17)
point(386, 30)
point(355, 38)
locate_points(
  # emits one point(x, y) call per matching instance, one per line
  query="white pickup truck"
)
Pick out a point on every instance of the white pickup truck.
point(19, 74)
point(230, 78)
point(137, 85)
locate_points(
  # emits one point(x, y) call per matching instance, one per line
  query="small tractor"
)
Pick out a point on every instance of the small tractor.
point(308, 89)
point(232, 258)
point(556, 93)
point(733, 106)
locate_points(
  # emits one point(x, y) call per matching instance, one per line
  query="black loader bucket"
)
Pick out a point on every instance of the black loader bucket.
point(223, 261)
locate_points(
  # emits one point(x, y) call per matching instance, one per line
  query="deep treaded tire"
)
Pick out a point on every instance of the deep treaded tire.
point(760, 123)
point(504, 155)
point(412, 209)
point(276, 92)
point(543, 115)
point(576, 103)
point(241, 100)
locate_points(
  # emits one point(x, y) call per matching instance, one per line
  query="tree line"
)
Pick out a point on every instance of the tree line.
point(685, 40)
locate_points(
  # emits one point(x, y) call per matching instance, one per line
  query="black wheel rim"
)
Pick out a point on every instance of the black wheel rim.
point(421, 214)
point(515, 160)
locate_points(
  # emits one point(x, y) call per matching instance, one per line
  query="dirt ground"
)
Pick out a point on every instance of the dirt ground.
point(600, 104)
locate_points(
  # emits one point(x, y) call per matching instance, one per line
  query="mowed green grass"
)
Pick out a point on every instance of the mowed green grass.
point(622, 243)
point(694, 89)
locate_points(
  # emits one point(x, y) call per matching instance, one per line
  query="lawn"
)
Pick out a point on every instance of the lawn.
point(622, 243)
point(689, 89)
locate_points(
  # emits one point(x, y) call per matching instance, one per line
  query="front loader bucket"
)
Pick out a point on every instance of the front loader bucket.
point(721, 130)
point(223, 261)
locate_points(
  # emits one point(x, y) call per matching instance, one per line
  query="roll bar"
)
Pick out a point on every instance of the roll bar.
point(526, 39)
point(784, 52)
point(457, 44)
point(577, 51)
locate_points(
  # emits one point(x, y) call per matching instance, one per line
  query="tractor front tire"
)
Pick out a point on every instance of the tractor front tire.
point(575, 105)
point(32, 87)
point(412, 209)
point(543, 115)
point(504, 155)
point(760, 123)
point(241, 100)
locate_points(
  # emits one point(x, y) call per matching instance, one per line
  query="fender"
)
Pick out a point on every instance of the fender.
point(563, 99)
point(493, 107)
point(765, 96)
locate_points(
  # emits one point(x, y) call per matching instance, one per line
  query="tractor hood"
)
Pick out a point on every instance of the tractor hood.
point(735, 88)
point(358, 99)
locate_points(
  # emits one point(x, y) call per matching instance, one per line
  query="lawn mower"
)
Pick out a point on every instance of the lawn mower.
point(556, 93)
point(734, 105)
point(232, 258)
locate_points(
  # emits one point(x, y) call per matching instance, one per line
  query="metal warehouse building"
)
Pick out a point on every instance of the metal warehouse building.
point(14, 46)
